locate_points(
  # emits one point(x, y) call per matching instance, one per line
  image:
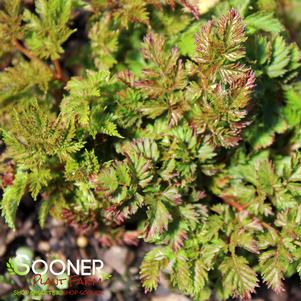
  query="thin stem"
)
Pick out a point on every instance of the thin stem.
point(25, 51)
point(233, 204)
point(57, 74)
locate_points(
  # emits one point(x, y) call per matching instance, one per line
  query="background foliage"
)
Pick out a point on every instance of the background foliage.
point(178, 118)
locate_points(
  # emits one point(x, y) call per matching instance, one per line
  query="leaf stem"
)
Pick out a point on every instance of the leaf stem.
point(24, 50)
point(57, 73)
point(233, 204)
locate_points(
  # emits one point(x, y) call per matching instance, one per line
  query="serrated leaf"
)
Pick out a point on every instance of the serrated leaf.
point(109, 128)
point(262, 49)
point(210, 251)
point(158, 219)
point(264, 21)
point(37, 179)
point(272, 269)
point(266, 177)
point(47, 30)
point(280, 58)
point(23, 77)
point(238, 276)
point(108, 180)
point(172, 194)
point(153, 262)
point(11, 198)
point(200, 276)
point(142, 168)
point(104, 44)
point(123, 174)
point(44, 210)
point(89, 86)
point(180, 274)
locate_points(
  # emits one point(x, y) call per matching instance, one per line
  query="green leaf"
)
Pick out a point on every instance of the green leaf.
point(108, 180)
point(158, 219)
point(266, 177)
point(89, 86)
point(240, 5)
point(44, 209)
point(48, 30)
point(180, 274)
point(292, 110)
point(37, 135)
point(280, 58)
point(246, 240)
point(200, 276)
point(186, 42)
point(153, 262)
point(147, 147)
point(262, 49)
point(141, 168)
point(295, 57)
point(23, 77)
point(104, 44)
point(131, 11)
point(103, 276)
point(12, 196)
point(210, 251)
point(122, 173)
point(238, 276)
point(108, 127)
point(172, 195)
point(37, 179)
point(206, 152)
point(10, 267)
point(82, 91)
point(264, 21)
point(10, 24)
point(101, 122)
point(272, 269)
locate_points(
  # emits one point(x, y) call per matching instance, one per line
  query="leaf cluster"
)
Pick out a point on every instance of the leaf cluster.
point(179, 118)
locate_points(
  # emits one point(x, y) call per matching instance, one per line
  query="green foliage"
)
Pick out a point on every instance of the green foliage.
point(36, 137)
point(12, 197)
point(10, 267)
point(10, 24)
point(292, 109)
point(263, 21)
point(131, 10)
point(153, 262)
point(45, 209)
point(104, 44)
point(153, 116)
point(280, 58)
point(48, 30)
point(239, 278)
point(22, 77)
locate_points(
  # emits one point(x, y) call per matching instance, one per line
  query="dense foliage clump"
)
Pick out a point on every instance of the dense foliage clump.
point(180, 118)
